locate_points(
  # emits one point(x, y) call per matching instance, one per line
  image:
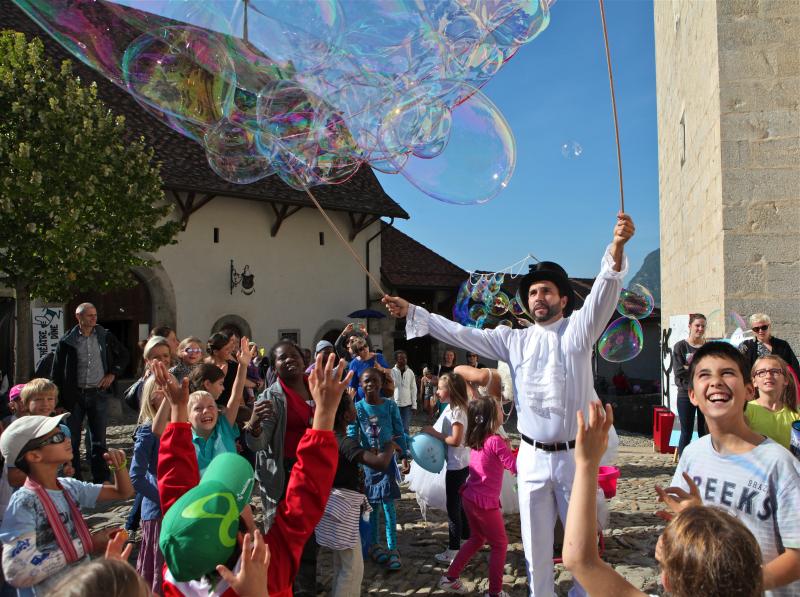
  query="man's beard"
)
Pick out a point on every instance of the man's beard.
point(552, 311)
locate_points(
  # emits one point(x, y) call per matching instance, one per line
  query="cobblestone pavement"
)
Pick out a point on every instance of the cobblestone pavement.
point(629, 540)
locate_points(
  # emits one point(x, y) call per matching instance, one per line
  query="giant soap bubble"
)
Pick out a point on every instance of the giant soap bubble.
point(309, 90)
point(622, 340)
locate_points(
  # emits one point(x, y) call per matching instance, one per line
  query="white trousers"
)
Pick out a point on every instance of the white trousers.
point(544, 482)
point(348, 571)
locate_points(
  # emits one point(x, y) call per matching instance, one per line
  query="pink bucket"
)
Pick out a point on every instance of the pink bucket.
point(607, 480)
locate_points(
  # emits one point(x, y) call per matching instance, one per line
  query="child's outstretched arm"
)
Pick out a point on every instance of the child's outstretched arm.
point(507, 457)
point(455, 438)
point(580, 533)
point(237, 392)
point(162, 417)
point(121, 488)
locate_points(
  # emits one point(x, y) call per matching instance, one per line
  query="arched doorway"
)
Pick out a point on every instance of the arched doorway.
point(232, 324)
point(126, 313)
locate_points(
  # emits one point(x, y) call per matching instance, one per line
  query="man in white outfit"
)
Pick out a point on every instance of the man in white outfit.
point(552, 375)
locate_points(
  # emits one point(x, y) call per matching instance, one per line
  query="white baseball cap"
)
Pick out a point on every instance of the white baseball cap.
point(23, 430)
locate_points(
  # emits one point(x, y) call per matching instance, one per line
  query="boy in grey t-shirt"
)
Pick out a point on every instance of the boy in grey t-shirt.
point(751, 477)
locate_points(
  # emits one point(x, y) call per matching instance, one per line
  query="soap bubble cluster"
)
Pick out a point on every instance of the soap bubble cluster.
point(623, 339)
point(309, 90)
point(482, 303)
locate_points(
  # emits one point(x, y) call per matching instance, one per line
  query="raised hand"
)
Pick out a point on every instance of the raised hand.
point(592, 441)
point(327, 385)
point(623, 229)
point(251, 580)
point(396, 306)
point(116, 549)
point(175, 393)
point(245, 354)
point(678, 499)
point(115, 459)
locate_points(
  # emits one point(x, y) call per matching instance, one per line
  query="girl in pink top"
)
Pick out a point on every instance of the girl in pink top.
point(480, 496)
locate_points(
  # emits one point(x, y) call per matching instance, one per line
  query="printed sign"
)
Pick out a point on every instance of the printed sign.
point(48, 327)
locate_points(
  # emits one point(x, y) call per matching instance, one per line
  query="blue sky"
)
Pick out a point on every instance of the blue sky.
point(555, 90)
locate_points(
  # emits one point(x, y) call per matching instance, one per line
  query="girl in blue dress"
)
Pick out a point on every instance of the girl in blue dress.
point(378, 423)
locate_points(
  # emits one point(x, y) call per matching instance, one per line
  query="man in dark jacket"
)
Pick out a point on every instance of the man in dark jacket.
point(88, 360)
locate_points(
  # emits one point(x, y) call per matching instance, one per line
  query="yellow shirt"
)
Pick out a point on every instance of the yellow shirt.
point(775, 425)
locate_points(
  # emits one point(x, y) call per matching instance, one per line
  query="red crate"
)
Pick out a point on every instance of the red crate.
point(663, 421)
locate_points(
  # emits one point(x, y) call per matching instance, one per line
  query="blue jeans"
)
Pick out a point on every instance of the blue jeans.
point(92, 404)
point(405, 417)
point(686, 415)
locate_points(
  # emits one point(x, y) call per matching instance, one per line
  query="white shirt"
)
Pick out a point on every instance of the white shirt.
point(457, 456)
point(405, 387)
point(760, 487)
point(551, 365)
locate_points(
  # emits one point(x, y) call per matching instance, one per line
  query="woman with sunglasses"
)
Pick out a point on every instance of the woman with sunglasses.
point(682, 354)
point(766, 344)
point(775, 407)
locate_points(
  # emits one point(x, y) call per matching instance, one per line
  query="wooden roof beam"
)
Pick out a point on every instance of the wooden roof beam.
point(282, 212)
point(186, 204)
point(360, 222)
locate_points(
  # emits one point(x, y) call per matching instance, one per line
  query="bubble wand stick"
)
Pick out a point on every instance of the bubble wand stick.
point(613, 106)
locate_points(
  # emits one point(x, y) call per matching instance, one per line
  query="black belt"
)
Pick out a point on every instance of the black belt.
point(556, 447)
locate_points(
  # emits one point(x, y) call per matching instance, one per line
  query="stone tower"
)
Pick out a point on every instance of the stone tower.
point(728, 87)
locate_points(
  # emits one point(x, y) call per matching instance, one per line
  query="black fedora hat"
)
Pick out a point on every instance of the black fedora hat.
point(550, 272)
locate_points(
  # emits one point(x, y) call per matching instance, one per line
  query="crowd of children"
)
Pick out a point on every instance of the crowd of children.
point(329, 452)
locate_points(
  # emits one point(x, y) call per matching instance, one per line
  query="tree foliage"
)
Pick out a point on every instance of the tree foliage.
point(79, 202)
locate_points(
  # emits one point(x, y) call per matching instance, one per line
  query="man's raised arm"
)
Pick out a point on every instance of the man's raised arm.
point(492, 344)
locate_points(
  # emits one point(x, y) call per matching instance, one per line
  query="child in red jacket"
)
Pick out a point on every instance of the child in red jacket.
point(186, 571)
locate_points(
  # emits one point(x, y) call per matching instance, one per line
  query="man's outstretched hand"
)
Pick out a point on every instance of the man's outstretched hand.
point(396, 306)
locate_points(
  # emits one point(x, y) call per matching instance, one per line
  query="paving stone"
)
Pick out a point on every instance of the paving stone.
point(630, 539)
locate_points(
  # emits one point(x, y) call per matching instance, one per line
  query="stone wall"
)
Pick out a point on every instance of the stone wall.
point(728, 73)
point(690, 186)
point(759, 58)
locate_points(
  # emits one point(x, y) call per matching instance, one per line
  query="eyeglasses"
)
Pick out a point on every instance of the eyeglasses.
point(764, 372)
point(761, 328)
point(53, 439)
point(56, 438)
point(192, 350)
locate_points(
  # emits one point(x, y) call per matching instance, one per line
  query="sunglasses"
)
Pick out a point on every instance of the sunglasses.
point(56, 438)
point(193, 350)
point(761, 328)
point(763, 372)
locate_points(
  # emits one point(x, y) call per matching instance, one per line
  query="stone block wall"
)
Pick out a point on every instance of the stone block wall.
point(690, 185)
point(759, 56)
point(730, 70)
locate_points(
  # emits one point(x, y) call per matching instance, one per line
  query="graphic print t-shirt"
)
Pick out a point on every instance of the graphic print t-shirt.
point(761, 488)
point(25, 522)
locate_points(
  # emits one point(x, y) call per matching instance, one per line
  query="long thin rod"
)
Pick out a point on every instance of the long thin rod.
point(613, 107)
point(347, 245)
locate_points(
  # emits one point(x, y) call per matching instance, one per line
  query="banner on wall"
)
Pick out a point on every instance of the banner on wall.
point(48, 327)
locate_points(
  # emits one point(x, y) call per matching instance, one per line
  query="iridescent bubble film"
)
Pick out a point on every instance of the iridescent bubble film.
point(622, 340)
point(571, 150)
point(309, 90)
point(636, 302)
point(499, 305)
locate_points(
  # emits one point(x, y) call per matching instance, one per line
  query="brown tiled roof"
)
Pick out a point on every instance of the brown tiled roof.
point(405, 263)
point(184, 163)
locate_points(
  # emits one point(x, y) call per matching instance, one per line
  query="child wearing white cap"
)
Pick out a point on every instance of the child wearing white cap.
point(43, 533)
